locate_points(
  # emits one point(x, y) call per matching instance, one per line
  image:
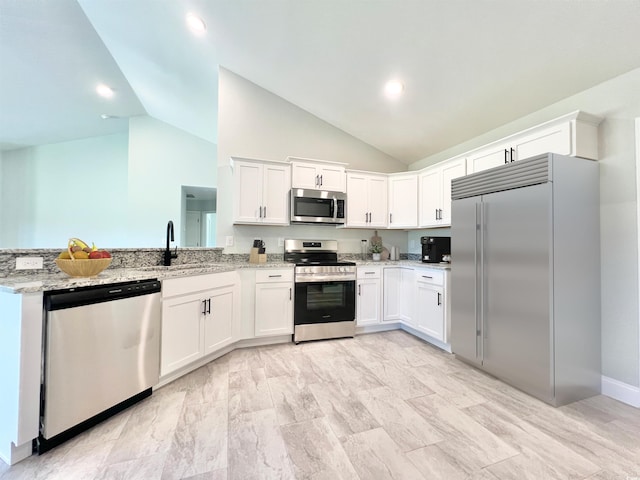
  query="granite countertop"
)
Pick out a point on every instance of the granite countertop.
point(55, 281)
point(403, 263)
point(47, 281)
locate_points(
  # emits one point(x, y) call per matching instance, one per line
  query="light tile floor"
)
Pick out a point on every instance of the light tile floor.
point(380, 406)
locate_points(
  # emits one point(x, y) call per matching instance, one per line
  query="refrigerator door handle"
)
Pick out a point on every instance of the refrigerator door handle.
point(479, 291)
point(477, 280)
point(484, 209)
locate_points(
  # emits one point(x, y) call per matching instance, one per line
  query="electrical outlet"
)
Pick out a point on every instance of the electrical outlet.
point(29, 263)
point(228, 241)
point(281, 241)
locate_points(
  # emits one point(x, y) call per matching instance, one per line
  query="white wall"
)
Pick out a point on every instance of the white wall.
point(162, 158)
point(618, 102)
point(255, 123)
point(69, 189)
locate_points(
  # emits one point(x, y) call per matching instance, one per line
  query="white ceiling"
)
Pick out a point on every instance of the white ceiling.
point(468, 65)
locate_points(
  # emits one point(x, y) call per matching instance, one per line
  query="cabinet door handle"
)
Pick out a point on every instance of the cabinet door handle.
point(275, 276)
point(359, 291)
point(289, 293)
point(439, 302)
point(369, 273)
point(436, 214)
point(260, 214)
point(506, 156)
point(513, 155)
point(317, 180)
point(264, 214)
point(440, 214)
point(430, 278)
point(391, 218)
point(209, 306)
point(204, 307)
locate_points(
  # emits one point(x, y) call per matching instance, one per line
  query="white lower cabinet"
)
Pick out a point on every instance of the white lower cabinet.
point(218, 322)
point(398, 294)
point(274, 302)
point(431, 303)
point(198, 317)
point(418, 297)
point(369, 296)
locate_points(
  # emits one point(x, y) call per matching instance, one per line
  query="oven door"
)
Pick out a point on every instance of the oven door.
point(325, 302)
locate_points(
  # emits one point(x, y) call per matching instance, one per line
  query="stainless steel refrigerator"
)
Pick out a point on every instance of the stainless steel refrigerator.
point(525, 275)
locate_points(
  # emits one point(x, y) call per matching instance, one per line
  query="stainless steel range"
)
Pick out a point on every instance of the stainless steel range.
point(325, 300)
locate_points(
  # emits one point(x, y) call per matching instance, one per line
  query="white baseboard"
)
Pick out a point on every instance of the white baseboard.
point(621, 391)
point(381, 327)
point(423, 336)
point(16, 454)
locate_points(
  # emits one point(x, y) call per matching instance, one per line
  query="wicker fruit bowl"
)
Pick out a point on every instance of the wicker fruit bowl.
point(80, 260)
point(83, 268)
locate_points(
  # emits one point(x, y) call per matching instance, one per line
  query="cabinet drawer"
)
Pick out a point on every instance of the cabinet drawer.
point(435, 277)
point(185, 285)
point(368, 272)
point(269, 275)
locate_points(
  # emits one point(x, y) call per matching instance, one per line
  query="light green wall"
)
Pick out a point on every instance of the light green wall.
point(162, 158)
point(116, 190)
point(70, 189)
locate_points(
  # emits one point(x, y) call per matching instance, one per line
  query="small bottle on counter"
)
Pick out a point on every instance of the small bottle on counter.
point(363, 249)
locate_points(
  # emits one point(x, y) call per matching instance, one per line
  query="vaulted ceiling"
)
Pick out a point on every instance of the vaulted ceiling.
point(467, 66)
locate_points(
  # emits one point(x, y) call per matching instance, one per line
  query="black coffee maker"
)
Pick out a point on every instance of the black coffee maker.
point(433, 248)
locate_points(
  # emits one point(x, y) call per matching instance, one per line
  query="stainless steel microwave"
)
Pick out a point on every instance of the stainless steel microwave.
point(317, 206)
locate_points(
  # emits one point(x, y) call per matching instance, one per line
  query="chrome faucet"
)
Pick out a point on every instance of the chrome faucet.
point(168, 254)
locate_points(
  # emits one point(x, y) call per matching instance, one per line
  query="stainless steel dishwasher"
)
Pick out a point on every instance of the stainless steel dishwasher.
point(101, 354)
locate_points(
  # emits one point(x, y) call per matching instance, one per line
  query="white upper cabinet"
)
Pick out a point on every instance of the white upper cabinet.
point(435, 192)
point(261, 191)
point(489, 157)
point(403, 200)
point(575, 134)
point(317, 175)
point(366, 200)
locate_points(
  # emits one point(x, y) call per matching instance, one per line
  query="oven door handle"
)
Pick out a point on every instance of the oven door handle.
point(315, 278)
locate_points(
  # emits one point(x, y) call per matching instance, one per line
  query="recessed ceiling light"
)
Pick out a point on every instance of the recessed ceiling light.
point(104, 91)
point(196, 24)
point(393, 88)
